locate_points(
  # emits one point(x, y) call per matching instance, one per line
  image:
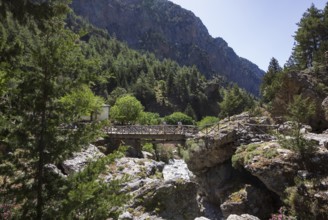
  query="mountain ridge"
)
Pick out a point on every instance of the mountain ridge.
point(169, 31)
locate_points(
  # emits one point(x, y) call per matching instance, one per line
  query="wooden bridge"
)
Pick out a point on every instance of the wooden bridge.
point(152, 132)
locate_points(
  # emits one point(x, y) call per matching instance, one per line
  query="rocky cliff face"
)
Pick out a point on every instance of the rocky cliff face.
point(241, 169)
point(169, 31)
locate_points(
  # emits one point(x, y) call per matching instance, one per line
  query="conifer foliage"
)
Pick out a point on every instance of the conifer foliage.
point(311, 37)
point(41, 62)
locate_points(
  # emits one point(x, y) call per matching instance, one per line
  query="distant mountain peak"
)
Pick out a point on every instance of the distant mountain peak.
point(169, 31)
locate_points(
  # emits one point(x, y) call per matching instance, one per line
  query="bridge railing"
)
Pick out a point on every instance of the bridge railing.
point(152, 129)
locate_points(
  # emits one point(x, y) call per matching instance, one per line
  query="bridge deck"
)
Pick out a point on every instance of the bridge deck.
point(158, 132)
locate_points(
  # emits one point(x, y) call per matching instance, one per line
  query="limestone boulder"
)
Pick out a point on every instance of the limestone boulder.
point(320, 139)
point(175, 200)
point(249, 199)
point(158, 190)
point(80, 159)
point(177, 169)
point(210, 151)
point(272, 165)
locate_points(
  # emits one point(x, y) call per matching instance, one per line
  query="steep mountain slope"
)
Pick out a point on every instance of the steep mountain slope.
point(170, 31)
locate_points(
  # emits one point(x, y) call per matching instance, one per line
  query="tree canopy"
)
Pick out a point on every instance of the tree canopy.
point(41, 66)
point(178, 117)
point(127, 109)
point(235, 101)
point(311, 37)
point(269, 82)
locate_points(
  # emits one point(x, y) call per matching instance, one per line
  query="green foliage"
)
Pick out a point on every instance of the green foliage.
point(41, 62)
point(190, 112)
point(302, 201)
point(149, 118)
point(164, 152)
point(300, 110)
point(311, 37)
point(148, 147)
point(127, 109)
point(88, 196)
point(177, 117)
point(183, 152)
point(245, 154)
point(235, 101)
point(207, 121)
point(116, 93)
point(82, 101)
point(271, 81)
point(161, 86)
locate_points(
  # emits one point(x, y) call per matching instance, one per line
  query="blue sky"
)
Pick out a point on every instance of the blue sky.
point(256, 29)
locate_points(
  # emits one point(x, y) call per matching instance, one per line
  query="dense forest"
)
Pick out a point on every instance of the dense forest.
point(161, 86)
point(55, 68)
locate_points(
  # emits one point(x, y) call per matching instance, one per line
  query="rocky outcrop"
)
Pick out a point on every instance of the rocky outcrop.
point(210, 156)
point(177, 170)
point(302, 181)
point(153, 196)
point(81, 159)
point(176, 200)
point(321, 139)
point(249, 199)
point(169, 31)
point(274, 166)
point(207, 152)
point(216, 145)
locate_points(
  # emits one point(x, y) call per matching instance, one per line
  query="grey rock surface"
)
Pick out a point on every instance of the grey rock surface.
point(176, 169)
point(242, 217)
point(81, 159)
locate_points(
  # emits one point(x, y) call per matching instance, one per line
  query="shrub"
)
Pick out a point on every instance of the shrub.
point(183, 152)
point(127, 109)
point(148, 147)
point(177, 117)
point(245, 154)
point(164, 152)
point(300, 110)
point(88, 196)
point(149, 118)
point(207, 121)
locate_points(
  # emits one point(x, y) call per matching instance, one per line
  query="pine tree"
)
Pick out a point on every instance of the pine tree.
point(308, 36)
point(235, 101)
point(46, 65)
point(270, 80)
